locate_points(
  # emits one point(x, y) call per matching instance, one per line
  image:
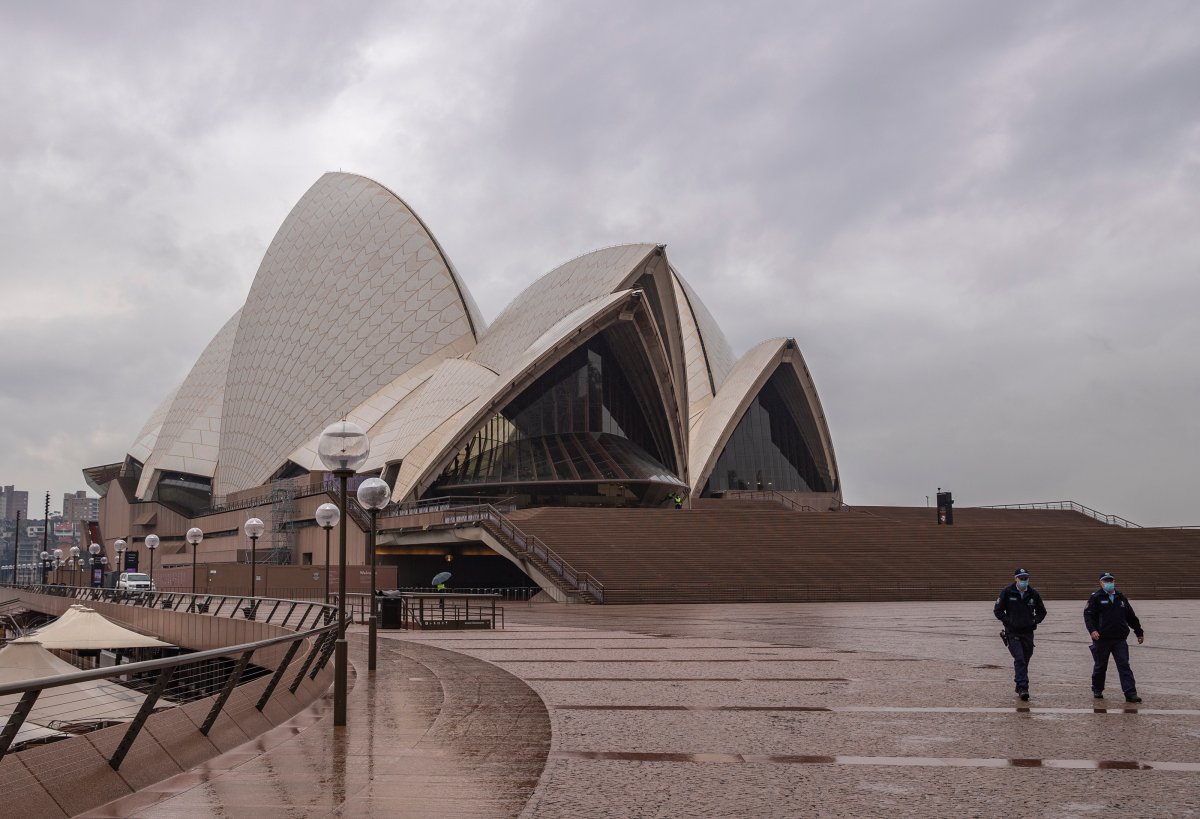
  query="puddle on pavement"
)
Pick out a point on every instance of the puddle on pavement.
point(897, 761)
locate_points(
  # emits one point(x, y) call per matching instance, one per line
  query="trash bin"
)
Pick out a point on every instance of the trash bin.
point(390, 606)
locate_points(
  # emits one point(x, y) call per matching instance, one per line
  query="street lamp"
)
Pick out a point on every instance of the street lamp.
point(373, 495)
point(119, 545)
point(152, 545)
point(45, 566)
point(194, 536)
point(57, 554)
point(327, 517)
point(94, 550)
point(254, 528)
point(74, 565)
point(343, 448)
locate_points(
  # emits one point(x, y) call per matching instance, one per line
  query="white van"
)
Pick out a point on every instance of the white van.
point(135, 581)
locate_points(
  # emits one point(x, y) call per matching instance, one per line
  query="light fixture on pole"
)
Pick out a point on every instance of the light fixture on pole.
point(120, 545)
point(254, 529)
point(57, 554)
point(327, 517)
point(74, 565)
point(194, 536)
point(94, 550)
point(152, 545)
point(373, 495)
point(45, 566)
point(343, 448)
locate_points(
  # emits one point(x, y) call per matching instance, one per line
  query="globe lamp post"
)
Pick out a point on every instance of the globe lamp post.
point(373, 495)
point(327, 517)
point(57, 554)
point(194, 536)
point(343, 448)
point(94, 550)
point(120, 545)
point(152, 544)
point(254, 529)
point(45, 566)
point(74, 565)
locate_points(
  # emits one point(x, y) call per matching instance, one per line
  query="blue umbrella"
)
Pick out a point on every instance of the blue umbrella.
point(440, 578)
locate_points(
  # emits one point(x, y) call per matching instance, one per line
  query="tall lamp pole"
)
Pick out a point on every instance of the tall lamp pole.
point(119, 546)
point(74, 565)
point(373, 495)
point(57, 554)
point(94, 551)
point(194, 536)
point(152, 545)
point(327, 517)
point(45, 566)
point(254, 529)
point(343, 448)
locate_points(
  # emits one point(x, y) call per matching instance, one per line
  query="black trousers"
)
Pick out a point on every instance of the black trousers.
point(1020, 646)
point(1119, 651)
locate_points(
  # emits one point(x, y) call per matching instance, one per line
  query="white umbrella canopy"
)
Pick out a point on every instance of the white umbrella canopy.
point(81, 628)
point(25, 659)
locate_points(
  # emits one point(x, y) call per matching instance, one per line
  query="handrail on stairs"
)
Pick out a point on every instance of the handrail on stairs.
point(582, 582)
point(1072, 506)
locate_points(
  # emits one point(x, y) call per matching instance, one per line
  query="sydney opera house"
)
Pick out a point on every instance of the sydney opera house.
point(605, 383)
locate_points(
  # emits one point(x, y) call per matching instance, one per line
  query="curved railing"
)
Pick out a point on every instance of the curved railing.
point(1071, 506)
point(57, 707)
point(530, 546)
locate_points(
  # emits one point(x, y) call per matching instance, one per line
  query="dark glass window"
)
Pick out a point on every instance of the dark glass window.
point(767, 450)
point(584, 420)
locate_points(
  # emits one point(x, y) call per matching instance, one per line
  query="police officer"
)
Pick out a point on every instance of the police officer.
point(1020, 608)
point(1108, 617)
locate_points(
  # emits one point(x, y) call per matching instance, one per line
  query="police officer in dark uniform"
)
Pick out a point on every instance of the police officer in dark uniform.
point(1108, 617)
point(1020, 608)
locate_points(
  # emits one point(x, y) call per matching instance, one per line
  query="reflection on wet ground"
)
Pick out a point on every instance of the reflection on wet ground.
point(661, 711)
point(902, 761)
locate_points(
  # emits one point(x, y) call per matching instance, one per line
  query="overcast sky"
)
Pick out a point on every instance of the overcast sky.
point(981, 221)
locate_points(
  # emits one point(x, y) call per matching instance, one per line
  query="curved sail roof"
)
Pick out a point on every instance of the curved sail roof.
point(555, 295)
point(710, 434)
point(356, 312)
point(352, 293)
point(191, 432)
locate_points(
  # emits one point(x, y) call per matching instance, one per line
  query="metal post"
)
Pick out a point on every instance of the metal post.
point(340, 670)
point(17, 551)
point(46, 528)
point(253, 562)
point(135, 727)
point(326, 600)
point(270, 689)
point(230, 684)
point(195, 548)
point(16, 719)
point(371, 621)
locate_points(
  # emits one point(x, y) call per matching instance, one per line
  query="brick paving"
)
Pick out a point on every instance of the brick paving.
point(753, 710)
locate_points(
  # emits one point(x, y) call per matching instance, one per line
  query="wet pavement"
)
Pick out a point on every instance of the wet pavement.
point(750, 710)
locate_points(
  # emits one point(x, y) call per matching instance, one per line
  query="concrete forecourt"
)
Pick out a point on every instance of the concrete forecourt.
point(836, 709)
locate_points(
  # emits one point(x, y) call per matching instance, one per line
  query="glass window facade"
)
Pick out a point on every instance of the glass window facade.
point(767, 450)
point(583, 421)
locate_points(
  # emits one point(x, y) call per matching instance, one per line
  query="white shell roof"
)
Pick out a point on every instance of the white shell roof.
point(191, 433)
point(712, 430)
point(356, 312)
point(352, 293)
point(147, 437)
point(552, 297)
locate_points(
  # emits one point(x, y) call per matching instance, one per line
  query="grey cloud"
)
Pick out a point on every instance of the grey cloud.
point(977, 218)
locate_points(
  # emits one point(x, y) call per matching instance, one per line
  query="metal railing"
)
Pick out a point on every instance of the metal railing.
point(57, 707)
point(529, 546)
point(1070, 506)
point(446, 504)
point(772, 495)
